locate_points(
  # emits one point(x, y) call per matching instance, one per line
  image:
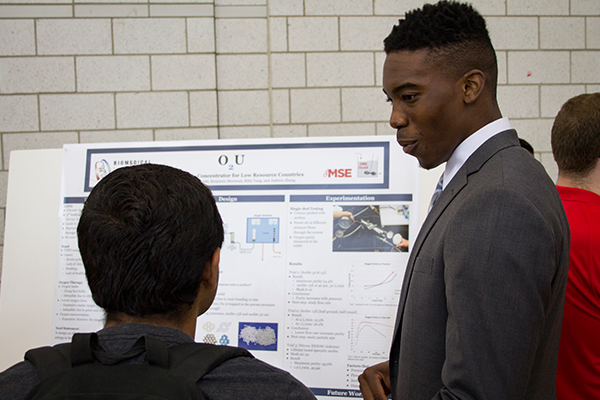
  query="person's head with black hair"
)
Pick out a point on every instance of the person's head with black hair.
point(525, 144)
point(440, 74)
point(150, 237)
point(455, 36)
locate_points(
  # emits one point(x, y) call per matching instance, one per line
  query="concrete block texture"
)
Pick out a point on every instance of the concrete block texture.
point(3, 185)
point(149, 35)
point(340, 69)
point(201, 35)
point(113, 73)
point(562, 33)
point(17, 37)
point(37, 74)
point(337, 7)
point(36, 1)
point(203, 108)
point(36, 11)
point(278, 34)
point(535, 131)
point(552, 97)
point(528, 67)
point(384, 128)
point(585, 66)
point(255, 11)
point(379, 61)
point(1, 231)
point(514, 33)
point(399, 8)
point(186, 134)
point(240, 2)
point(501, 57)
point(592, 88)
point(394, 7)
point(315, 105)
point(585, 7)
point(288, 70)
point(115, 1)
point(519, 101)
point(537, 7)
point(152, 110)
point(237, 35)
point(290, 131)
point(181, 10)
point(19, 113)
point(365, 33)
point(249, 107)
point(143, 135)
point(286, 7)
point(59, 112)
point(244, 132)
point(592, 33)
point(490, 7)
point(247, 71)
point(549, 164)
point(182, 1)
point(73, 36)
point(183, 72)
point(28, 141)
point(111, 10)
point(313, 34)
point(341, 130)
point(280, 99)
point(364, 104)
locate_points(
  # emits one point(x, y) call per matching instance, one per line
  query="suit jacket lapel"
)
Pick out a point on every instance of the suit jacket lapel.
point(473, 164)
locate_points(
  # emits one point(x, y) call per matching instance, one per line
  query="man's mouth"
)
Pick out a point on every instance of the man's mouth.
point(407, 144)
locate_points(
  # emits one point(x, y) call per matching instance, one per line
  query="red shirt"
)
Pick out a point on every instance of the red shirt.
point(578, 375)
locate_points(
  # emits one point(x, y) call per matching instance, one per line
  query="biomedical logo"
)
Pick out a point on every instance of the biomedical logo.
point(101, 169)
point(338, 173)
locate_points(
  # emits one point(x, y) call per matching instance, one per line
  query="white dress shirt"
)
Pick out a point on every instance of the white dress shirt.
point(470, 144)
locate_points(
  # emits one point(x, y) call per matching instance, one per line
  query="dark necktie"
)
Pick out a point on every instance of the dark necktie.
point(436, 193)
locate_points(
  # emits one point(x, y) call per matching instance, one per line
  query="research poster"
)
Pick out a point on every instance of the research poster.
point(317, 237)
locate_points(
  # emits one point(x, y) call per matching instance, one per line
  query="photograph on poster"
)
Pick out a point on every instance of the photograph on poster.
point(370, 228)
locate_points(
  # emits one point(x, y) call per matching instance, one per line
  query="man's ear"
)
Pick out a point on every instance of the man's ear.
point(210, 276)
point(473, 83)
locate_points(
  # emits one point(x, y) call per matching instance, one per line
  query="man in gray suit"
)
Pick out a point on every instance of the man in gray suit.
point(481, 305)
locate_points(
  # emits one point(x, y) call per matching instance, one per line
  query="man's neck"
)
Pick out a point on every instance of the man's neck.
point(590, 182)
point(185, 324)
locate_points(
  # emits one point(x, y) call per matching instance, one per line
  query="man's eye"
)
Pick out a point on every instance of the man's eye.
point(408, 96)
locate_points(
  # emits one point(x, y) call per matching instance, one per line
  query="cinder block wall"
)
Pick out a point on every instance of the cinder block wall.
point(78, 71)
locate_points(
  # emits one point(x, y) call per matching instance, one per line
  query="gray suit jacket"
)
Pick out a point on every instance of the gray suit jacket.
point(482, 300)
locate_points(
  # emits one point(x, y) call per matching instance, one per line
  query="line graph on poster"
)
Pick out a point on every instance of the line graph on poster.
point(371, 336)
point(379, 283)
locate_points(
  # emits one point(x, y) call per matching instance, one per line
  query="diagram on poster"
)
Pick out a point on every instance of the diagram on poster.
point(313, 256)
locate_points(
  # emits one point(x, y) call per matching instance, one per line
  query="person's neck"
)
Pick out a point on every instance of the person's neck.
point(185, 324)
point(590, 182)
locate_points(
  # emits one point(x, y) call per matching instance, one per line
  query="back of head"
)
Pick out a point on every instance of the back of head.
point(576, 135)
point(454, 33)
point(145, 235)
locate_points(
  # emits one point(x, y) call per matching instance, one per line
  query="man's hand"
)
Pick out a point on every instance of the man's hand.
point(375, 382)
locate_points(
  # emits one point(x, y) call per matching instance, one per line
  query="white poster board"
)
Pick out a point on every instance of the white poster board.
point(301, 287)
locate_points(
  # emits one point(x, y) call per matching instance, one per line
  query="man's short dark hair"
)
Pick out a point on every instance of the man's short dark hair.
point(145, 235)
point(454, 33)
point(525, 144)
point(576, 135)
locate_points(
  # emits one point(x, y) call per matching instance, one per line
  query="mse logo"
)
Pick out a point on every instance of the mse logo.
point(338, 173)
